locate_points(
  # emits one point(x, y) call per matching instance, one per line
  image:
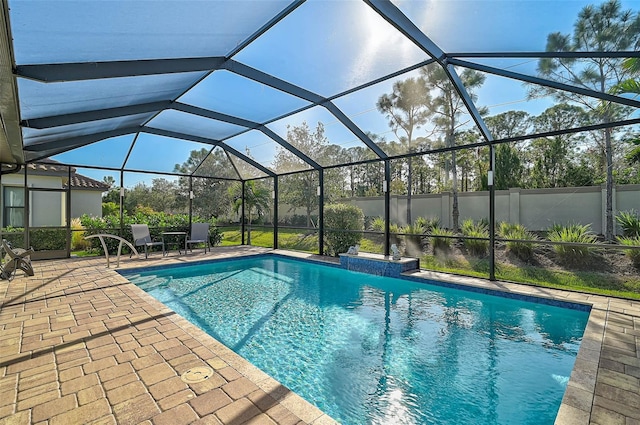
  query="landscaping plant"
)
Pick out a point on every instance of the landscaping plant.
point(633, 254)
point(441, 239)
point(518, 234)
point(470, 229)
point(413, 238)
point(344, 224)
point(572, 233)
point(630, 223)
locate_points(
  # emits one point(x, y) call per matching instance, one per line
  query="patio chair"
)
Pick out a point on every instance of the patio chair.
point(15, 258)
point(142, 237)
point(199, 234)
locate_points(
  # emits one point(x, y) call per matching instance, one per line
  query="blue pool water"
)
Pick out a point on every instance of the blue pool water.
point(372, 350)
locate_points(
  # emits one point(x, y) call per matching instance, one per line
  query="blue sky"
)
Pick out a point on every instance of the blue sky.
point(324, 46)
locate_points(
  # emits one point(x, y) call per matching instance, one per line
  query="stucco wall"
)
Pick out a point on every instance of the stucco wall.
point(49, 208)
point(536, 209)
point(86, 202)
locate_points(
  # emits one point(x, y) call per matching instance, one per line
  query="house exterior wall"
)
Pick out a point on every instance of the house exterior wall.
point(49, 208)
point(86, 202)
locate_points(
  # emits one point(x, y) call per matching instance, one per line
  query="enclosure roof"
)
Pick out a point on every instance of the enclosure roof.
point(140, 86)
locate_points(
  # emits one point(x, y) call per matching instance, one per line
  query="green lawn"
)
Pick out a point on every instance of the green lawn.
point(583, 281)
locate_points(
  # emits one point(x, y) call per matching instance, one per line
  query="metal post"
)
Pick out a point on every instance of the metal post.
point(386, 187)
point(242, 227)
point(275, 212)
point(68, 213)
point(321, 211)
point(27, 209)
point(492, 213)
point(190, 200)
point(121, 203)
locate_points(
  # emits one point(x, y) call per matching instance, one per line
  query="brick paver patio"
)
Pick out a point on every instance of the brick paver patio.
point(79, 345)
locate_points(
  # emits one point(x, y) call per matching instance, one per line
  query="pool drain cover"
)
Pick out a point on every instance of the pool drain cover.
point(197, 374)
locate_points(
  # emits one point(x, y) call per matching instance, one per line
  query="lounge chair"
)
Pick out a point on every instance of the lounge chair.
point(142, 237)
point(16, 258)
point(199, 234)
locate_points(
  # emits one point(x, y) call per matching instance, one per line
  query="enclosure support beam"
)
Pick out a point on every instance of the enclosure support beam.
point(492, 213)
point(242, 213)
point(546, 83)
point(27, 210)
point(387, 205)
point(275, 212)
point(58, 72)
point(68, 213)
point(321, 211)
point(121, 203)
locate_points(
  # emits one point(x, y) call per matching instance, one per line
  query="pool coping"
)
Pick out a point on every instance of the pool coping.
point(603, 387)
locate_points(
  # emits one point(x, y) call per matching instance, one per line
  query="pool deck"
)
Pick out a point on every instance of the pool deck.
point(79, 344)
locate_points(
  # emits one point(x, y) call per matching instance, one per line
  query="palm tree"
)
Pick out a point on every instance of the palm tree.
point(632, 86)
point(257, 201)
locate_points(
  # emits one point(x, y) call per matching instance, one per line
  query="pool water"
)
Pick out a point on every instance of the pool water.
point(373, 350)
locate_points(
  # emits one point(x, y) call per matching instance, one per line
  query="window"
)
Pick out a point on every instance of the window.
point(13, 207)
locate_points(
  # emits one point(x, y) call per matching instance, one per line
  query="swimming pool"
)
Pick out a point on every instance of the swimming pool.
point(373, 350)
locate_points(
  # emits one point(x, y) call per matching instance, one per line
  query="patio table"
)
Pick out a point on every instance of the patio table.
point(174, 236)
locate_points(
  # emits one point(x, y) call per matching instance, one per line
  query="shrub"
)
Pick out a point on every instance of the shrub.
point(394, 229)
point(377, 224)
point(345, 224)
point(522, 250)
point(110, 208)
point(470, 229)
point(14, 235)
point(630, 223)
point(633, 254)
point(215, 236)
point(413, 238)
point(428, 223)
point(439, 239)
point(297, 220)
point(53, 239)
point(78, 242)
point(157, 222)
point(572, 233)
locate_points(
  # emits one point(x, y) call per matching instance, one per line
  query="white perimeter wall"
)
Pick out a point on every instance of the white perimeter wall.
point(536, 209)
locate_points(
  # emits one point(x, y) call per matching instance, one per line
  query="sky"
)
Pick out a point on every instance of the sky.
point(325, 46)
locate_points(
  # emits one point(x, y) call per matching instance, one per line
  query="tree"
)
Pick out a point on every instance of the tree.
point(447, 107)
point(257, 201)
point(632, 86)
point(509, 167)
point(109, 180)
point(554, 157)
point(211, 194)
point(509, 124)
point(299, 190)
point(597, 29)
point(405, 108)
